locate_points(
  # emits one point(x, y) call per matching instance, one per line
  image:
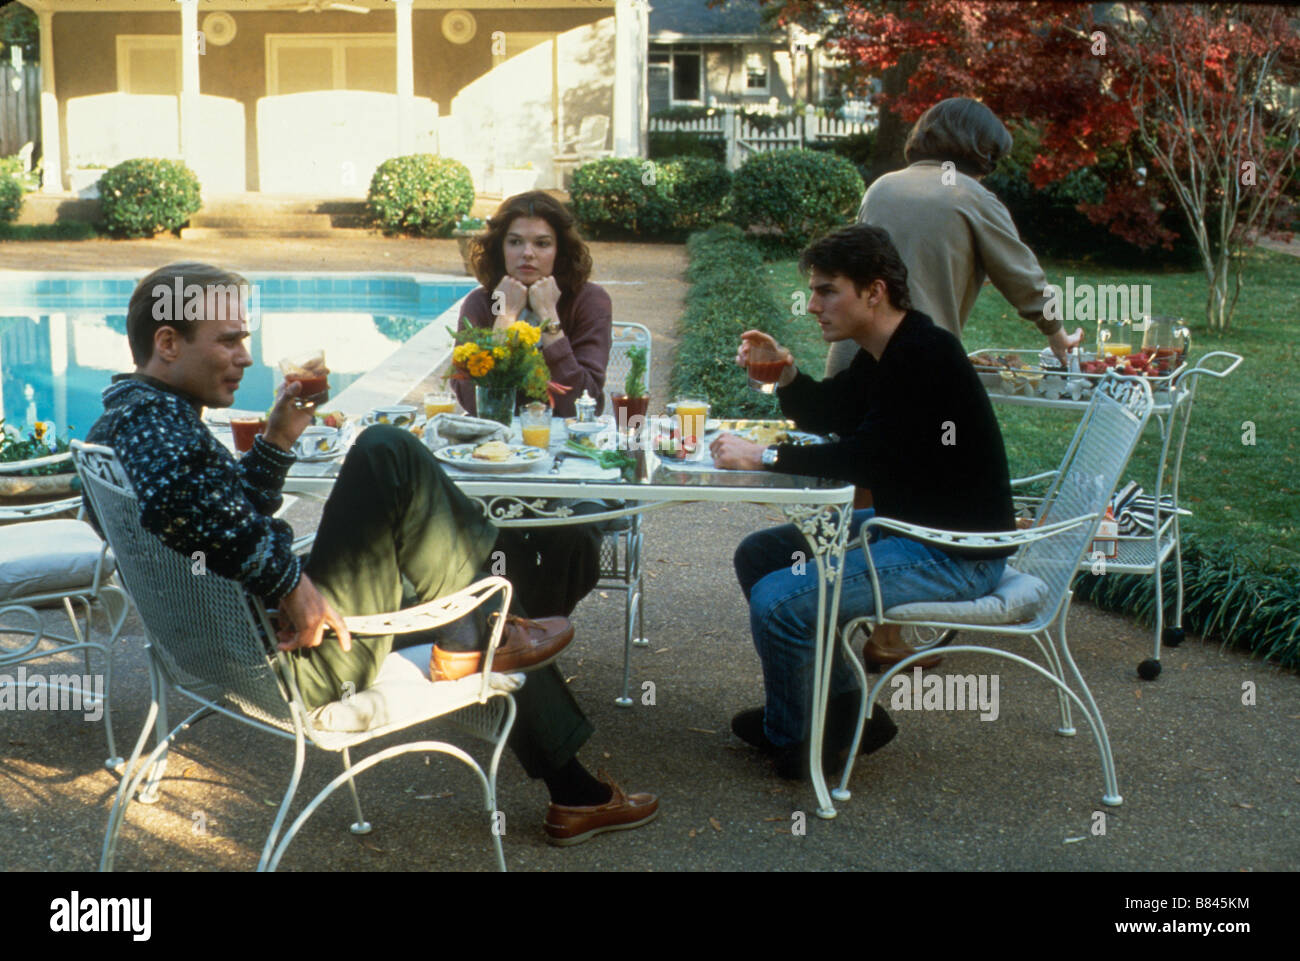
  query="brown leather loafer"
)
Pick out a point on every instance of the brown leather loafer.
point(878, 657)
point(525, 646)
point(567, 825)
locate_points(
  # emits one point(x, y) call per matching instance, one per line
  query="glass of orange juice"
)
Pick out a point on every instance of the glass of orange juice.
point(691, 418)
point(439, 402)
point(535, 425)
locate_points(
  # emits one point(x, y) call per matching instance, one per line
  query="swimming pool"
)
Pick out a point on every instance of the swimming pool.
point(63, 335)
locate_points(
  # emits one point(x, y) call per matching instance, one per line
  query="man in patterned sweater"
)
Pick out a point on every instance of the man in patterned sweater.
point(393, 515)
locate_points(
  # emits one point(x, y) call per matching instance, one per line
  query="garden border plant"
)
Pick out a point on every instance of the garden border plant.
point(420, 194)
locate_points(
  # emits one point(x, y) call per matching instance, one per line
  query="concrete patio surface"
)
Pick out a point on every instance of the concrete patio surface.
point(1210, 776)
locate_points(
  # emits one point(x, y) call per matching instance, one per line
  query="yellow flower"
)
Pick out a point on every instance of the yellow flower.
point(39, 430)
point(500, 352)
point(464, 352)
point(524, 332)
point(481, 363)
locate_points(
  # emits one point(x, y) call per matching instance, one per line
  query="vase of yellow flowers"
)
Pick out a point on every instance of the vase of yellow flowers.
point(501, 364)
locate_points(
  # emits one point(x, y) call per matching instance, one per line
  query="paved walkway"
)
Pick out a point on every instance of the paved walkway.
point(1209, 782)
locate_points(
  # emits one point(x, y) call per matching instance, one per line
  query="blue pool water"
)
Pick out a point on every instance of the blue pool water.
point(63, 337)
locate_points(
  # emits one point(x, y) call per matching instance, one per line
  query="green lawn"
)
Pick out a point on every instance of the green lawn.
point(1241, 494)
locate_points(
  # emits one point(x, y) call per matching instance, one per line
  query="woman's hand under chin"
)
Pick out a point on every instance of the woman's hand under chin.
point(508, 300)
point(543, 297)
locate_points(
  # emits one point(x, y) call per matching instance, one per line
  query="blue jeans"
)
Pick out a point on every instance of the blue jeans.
point(782, 595)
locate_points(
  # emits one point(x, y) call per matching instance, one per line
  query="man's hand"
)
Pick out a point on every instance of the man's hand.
point(736, 453)
point(543, 296)
point(512, 297)
point(288, 420)
point(309, 614)
point(756, 338)
point(1062, 345)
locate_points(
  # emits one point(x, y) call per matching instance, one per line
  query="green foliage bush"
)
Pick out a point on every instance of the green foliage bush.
point(728, 296)
point(1229, 596)
point(628, 195)
point(790, 197)
point(11, 199)
point(681, 143)
point(145, 196)
point(420, 194)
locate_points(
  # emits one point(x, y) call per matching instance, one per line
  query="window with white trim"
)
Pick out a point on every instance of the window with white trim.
point(757, 70)
point(148, 64)
point(297, 63)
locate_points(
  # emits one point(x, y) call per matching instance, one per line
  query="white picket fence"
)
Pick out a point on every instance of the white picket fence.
point(743, 138)
point(20, 109)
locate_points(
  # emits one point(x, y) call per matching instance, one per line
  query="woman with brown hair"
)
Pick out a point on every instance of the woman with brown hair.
point(533, 266)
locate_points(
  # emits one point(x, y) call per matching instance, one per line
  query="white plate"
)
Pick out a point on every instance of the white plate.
point(462, 457)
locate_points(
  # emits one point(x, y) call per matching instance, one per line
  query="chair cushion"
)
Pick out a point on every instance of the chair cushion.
point(49, 557)
point(1017, 598)
point(403, 693)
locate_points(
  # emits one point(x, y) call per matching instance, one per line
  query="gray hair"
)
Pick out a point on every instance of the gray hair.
point(961, 130)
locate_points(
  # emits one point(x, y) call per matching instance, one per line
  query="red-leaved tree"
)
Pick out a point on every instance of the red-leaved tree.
point(1198, 89)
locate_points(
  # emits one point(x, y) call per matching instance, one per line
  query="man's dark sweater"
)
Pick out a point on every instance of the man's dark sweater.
point(193, 494)
point(916, 427)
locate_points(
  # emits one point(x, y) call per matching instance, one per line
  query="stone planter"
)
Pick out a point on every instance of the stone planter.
point(39, 487)
point(84, 182)
point(464, 238)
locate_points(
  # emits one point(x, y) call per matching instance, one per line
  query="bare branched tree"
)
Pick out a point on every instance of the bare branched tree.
point(1212, 89)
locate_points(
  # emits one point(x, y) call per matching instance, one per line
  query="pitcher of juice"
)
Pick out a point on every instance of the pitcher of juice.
point(1167, 339)
point(1114, 338)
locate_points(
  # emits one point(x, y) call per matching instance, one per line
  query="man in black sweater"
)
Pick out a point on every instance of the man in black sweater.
point(916, 427)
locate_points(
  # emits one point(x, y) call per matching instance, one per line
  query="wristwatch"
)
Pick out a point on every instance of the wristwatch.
point(769, 457)
point(551, 326)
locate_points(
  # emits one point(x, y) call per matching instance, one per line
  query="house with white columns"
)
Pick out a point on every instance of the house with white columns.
point(309, 96)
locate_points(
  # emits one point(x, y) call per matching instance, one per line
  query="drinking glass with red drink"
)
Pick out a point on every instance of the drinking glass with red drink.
point(244, 429)
point(310, 371)
point(766, 365)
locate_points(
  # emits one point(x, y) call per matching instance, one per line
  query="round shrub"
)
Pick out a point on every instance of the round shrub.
point(697, 188)
point(420, 194)
point(11, 199)
point(145, 196)
point(620, 194)
point(793, 196)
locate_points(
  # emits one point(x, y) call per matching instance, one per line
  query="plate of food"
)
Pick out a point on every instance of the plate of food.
point(767, 432)
point(494, 457)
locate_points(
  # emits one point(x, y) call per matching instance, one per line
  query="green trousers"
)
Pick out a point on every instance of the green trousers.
point(393, 515)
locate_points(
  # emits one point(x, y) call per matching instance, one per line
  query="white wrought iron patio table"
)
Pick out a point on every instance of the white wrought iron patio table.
point(536, 497)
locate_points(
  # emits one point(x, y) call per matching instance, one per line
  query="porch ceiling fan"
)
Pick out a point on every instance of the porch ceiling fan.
point(319, 6)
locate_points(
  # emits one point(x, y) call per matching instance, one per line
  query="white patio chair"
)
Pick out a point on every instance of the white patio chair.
point(226, 668)
point(620, 546)
point(47, 559)
point(1033, 597)
point(590, 145)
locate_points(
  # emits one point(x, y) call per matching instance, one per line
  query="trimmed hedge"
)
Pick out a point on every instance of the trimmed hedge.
point(1226, 595)
point(630, 195)
point(146, 196)
point(11, 199)
point(420, 194)
point(728, 296)
point(662, 144)
point(791, 197)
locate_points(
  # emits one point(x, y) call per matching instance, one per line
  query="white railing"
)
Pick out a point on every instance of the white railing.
point(743, 138)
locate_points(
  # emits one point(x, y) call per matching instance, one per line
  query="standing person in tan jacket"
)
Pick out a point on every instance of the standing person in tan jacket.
point(951, 231)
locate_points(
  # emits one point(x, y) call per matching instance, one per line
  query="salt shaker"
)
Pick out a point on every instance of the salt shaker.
point(586, 408)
